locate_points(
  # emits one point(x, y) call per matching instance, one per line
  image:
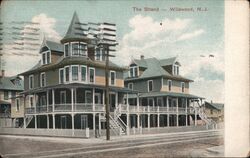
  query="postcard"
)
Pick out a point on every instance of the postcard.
point(124, 78)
